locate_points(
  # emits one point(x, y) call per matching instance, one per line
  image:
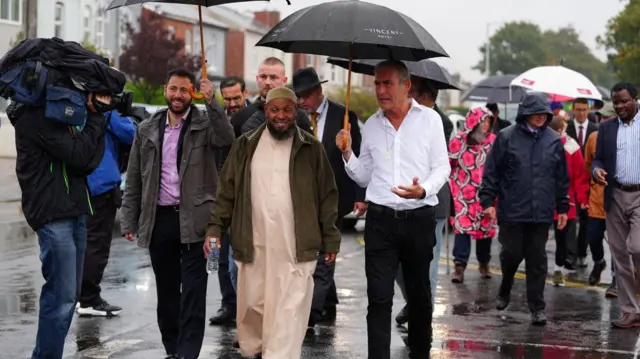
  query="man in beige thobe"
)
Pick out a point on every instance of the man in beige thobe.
point(278, 196)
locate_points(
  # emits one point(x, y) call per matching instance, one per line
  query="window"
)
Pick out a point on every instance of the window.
point(187, 42)
point(99, 37)
point(333, 72)
point(86, 16)
point(11, 10)
point(310, 61)
point(172, 33)
point(58, 20)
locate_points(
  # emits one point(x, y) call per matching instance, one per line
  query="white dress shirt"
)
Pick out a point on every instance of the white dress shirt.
point(322, 117)
point(390, 158)
point(584, 125)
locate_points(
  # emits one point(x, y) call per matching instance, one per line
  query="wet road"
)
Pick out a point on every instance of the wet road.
point(466, 325)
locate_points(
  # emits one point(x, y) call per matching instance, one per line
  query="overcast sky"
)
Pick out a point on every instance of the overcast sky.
point(460, 26)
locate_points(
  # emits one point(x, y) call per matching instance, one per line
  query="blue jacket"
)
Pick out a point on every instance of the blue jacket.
point(526, 171)
point(107, 176)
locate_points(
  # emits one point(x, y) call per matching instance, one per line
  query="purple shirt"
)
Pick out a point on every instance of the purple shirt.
point(169, 193)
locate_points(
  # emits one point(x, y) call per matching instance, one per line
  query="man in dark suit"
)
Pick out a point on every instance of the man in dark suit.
point(580, 128)
point(617, 166)
point(327, 119)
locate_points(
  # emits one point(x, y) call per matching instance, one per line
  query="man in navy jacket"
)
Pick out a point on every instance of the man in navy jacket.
point(526, 171)
point(104, 185)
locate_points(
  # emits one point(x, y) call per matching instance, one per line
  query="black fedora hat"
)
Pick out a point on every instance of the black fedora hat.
point(305, 79)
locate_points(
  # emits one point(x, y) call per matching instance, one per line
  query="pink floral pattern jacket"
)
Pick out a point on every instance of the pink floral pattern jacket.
point(467, 165)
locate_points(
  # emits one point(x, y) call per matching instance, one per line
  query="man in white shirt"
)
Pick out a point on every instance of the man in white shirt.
point(403, 163)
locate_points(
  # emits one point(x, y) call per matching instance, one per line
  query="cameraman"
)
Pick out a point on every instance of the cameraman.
point(53, 162)
point(106, 197)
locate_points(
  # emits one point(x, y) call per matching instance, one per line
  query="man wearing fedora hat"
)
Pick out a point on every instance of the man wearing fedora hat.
point(327, 120)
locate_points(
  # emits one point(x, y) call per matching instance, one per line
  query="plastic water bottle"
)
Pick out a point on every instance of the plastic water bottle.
point(214, 256)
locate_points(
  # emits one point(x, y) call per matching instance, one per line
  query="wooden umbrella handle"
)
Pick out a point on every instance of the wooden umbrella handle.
point(345, 140)
point(192, 92)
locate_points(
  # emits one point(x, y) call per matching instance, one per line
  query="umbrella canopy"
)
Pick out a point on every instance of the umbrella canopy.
point(425, 69)
point(353, 29)
point(606, 94)
point(119, 3)
point(558, 80)
point(495, 89)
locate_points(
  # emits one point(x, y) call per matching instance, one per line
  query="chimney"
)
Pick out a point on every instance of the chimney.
point(269, 18)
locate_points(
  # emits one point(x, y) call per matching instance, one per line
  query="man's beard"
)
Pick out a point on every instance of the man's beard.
point(278, 134)
point(185, 106)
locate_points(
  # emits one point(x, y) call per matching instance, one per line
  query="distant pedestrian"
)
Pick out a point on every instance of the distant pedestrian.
point(617, 167)
point(498, 124)
point(597, 224)
point(106, 198)
point(279, 198)
point(468, 152)
point(578, 198)
point(403, 163)
point(327, 119)
point(171, 184)
point(526, 173)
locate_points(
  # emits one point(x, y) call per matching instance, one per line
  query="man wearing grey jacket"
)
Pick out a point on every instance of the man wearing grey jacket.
point(168, 199)
point(425, 93)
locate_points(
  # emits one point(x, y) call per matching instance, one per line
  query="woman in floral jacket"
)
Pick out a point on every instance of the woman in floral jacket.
point(468, 153)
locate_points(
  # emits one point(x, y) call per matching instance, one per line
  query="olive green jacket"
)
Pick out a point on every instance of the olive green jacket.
point(313, 191)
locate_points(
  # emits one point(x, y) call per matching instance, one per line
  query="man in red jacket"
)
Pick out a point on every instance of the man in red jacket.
point(579, 193)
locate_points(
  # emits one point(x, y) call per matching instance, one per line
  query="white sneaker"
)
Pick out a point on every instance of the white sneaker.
point(103, 309)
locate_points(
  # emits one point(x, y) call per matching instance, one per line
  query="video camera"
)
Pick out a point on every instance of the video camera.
point(59, 76)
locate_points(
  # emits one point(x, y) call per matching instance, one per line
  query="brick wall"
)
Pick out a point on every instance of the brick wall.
point(269, 18)
point(235, 53)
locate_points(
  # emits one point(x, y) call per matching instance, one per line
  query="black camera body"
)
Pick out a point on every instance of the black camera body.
point(121, 102)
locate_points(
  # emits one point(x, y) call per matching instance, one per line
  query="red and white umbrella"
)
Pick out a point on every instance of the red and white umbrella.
point(558, 80)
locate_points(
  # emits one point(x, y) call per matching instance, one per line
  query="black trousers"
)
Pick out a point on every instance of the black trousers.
point(99, 236)
point(583, 222)
point(562, 241)
point(226, 288)
point(524, 241)
point(181, 313)
point(393, 239)
point(325, 294)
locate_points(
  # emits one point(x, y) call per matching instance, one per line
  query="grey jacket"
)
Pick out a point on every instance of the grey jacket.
point(198, 174)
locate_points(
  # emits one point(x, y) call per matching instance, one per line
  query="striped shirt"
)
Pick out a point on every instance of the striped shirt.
point(628, 148)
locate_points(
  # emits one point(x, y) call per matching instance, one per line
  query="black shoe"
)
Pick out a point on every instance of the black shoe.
point(403, 317)
point(223, 316)
point(329, 314)
point(502, 303)
point(596, 272)
point(538, 318)
point(172, 356)
point(103, 309)
point(570, 265)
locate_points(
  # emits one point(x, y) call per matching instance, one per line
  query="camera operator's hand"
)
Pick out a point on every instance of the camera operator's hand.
point(207, 89)
point(102, 98)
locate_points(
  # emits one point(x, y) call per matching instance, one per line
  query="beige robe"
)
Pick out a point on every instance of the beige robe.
point(274, 292)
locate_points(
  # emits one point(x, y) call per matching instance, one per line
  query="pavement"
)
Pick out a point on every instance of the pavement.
point(466, 324)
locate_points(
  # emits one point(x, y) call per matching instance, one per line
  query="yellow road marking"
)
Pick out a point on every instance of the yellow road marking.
point(522, 276)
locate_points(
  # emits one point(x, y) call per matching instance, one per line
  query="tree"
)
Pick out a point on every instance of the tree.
point(623, 43)
point(520, 46)
point(514, 48)
point(151, 53)
point(362, 103)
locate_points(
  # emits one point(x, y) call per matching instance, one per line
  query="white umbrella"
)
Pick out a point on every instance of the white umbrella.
point(558, 80)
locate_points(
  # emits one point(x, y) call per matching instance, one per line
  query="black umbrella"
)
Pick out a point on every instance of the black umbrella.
point(425, 69)
point(495, 89)
point(355, 30)
point(118, 3)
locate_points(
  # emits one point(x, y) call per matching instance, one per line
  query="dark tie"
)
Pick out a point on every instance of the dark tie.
point(580, 136)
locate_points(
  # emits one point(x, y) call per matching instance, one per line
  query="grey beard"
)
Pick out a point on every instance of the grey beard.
point(280, 135)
